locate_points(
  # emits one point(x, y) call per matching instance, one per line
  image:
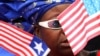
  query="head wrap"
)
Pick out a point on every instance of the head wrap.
point(30, 10)
point(36, 10)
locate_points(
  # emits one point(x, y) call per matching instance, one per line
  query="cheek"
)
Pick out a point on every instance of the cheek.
point(50, 36)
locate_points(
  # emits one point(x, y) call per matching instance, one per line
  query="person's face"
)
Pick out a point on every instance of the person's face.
point(55, 39)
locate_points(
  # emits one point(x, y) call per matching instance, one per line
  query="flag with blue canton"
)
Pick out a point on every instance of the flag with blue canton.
point(26, 44)
point(39, 46)
point(4, 52)
point(81, 23)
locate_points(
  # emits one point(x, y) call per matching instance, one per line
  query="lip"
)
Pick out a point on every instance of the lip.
point(64, 44)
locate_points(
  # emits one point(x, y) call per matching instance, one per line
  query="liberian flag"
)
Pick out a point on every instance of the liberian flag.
point(78, 26)
point(20, 43)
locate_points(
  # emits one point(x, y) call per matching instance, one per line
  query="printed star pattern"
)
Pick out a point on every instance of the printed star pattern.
point(38, 47)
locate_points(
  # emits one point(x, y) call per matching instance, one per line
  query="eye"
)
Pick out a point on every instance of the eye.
point(54, 24)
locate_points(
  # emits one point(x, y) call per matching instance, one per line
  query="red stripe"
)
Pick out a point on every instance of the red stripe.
point(68, 9)
point(95, 34)
point(16, 36)
point(5, 47)
point(78, 30)
point(14, 42)
point(15, 47)
point(15, 32)
point(16, 54)
point(75, 12)
point(76, 26)
point(84, 36)
point(78, 33)
point(84, 44)
point(78, 50)
point(15, 28)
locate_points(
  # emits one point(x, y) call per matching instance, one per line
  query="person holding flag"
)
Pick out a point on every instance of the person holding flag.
point(43, 15)
point(13, 40)
point(59, 46)
point(48, 28)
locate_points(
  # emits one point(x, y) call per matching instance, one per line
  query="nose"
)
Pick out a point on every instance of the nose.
point(63, 36)
point(62, 31)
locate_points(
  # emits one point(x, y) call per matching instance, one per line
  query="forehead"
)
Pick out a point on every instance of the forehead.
point(54, 12)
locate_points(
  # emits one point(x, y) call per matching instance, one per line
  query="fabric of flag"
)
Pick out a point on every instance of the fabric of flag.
point(78, 25)
point(18, 42)
point(39, 47)
point(98, 53)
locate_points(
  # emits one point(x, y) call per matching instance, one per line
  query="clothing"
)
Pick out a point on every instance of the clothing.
point(28, 11)
point(93, 44)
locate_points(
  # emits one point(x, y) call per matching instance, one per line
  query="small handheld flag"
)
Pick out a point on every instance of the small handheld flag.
point(19, 42)
point(78, 26)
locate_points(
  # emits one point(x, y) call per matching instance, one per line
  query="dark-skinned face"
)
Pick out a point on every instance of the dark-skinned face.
point(55, 39)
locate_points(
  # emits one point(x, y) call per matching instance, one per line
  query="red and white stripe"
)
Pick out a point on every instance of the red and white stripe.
point(15, 40)
point(78, 26)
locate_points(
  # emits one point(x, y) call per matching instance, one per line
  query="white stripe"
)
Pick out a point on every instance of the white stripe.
point(74, 25)
point(88, 34)
point(96, 22)
point(92, 16)
point(31, 50)
point(16, 51)
point(20, 33)
point(75, 16)
point(81, 26)
point(87, 27)
point(80, 44)
point(83, 32)
point(46, 52)
point(70, 12)
point(78, 37)
point(13, 38)
point(9, 47)
point(14, 34)
point(15, 45)
point(92, 32)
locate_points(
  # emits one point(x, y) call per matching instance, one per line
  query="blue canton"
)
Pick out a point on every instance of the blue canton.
point(39, 46)
point(96, 4)
point(92, 6)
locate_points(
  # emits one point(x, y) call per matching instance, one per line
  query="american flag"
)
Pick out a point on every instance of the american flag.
point(21, 43)
point(78, 26)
